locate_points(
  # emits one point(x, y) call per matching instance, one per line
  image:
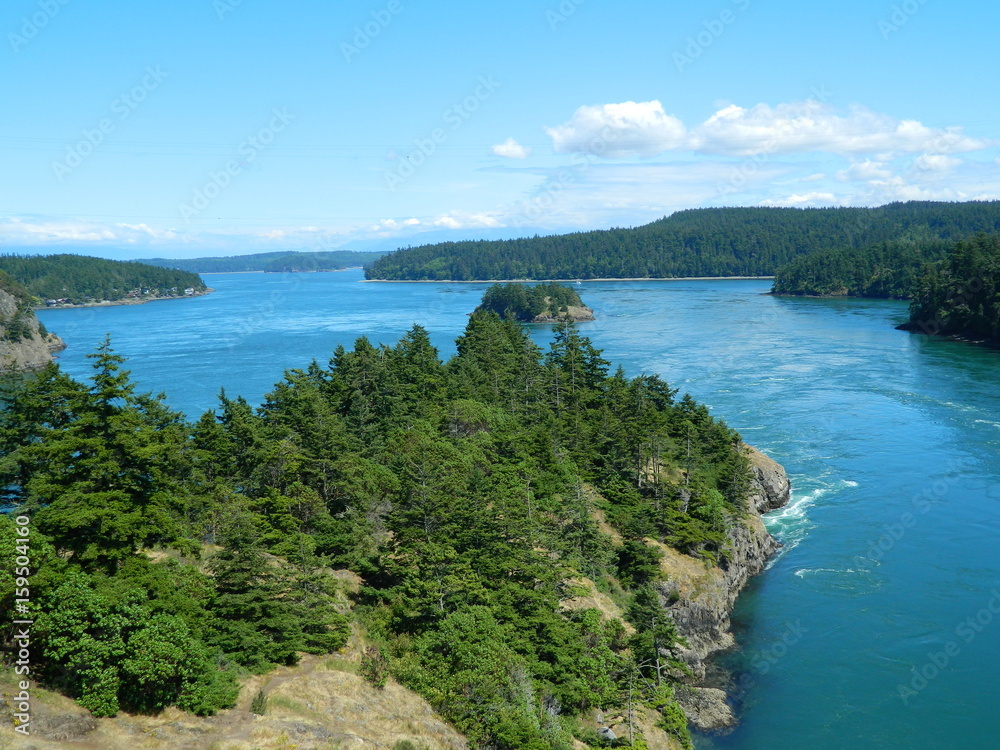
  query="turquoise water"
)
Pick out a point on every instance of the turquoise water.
point(892, 540)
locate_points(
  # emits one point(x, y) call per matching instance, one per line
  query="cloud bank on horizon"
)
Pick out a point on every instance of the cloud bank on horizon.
point(616, 167)
point(145, 149)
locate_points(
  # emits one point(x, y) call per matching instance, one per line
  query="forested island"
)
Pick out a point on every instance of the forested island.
point(959, 296)
point(279, 262)
point(697, 242)
point(889, 270)
point(954, 288)
point(538, 303)
point(80, 279)
point(542, 547)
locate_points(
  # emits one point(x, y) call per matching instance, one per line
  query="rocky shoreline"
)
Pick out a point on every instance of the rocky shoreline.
point(118, 302)
point(700, 598)
point(30, 350)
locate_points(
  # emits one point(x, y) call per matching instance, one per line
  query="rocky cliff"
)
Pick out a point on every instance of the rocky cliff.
point(24, 345)
point(700, 597)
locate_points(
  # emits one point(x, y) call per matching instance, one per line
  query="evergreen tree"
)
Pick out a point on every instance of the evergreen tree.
point(105, 480)
point(255, 624)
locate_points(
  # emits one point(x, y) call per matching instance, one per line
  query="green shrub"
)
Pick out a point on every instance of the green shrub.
point(259, 704)
point(374, 667)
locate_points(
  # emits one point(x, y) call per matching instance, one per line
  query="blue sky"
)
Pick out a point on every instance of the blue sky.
point(228, 126)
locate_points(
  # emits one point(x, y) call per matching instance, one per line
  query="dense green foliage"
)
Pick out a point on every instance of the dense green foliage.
point(79, 278)
point(698, 242)
point(960, 295)
point(19, 323)
point(525, 303)
point(278, 262)
point(890, 270)
point(464, 494)
point(104, 474)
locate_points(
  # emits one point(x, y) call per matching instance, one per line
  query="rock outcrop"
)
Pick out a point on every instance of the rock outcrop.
point(700, 597)
point(771, 488)
point(706, 708)
point(23, 344)
point(573, 312)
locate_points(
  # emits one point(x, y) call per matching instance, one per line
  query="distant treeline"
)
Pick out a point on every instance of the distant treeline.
point(79, 278)
point(698, 242)
point(282, 262)
point(525, 303)
point(889, 270)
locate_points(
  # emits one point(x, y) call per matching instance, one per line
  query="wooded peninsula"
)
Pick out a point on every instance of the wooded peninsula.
point(79, 279)
point(473, 500)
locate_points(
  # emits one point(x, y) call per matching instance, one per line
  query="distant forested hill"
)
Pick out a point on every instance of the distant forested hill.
point(889, 270)
point(80, 278)
point(270, 262)
point(698, 242)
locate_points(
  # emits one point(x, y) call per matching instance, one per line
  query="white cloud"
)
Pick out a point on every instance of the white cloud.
point(878, 192)
point(804, 200)
point(644, 129)
point(619, 130)
point(812, 126)
point(386, 227)
point(144, 228)
point(814, 177)
point(463, 220)
point(936, 162)
point(511, 149)
point(864, 171)
point(42, 231)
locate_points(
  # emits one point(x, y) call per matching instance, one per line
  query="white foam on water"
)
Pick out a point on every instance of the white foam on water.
point(791, 524)
point(842, 581)
point(801, 572)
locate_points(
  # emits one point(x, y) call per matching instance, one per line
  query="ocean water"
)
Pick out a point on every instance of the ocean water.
point(878, 623)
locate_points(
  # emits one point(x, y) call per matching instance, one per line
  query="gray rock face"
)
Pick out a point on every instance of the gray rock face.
point(574, 312)
point(700, 597)
point(706, 708)
point(31, 352)
point(70, 727)
point(771, 487)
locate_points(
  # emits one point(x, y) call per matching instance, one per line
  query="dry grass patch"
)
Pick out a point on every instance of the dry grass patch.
point(690, 575)
point(318, 705)
point(586, 596)
point(656, 738)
